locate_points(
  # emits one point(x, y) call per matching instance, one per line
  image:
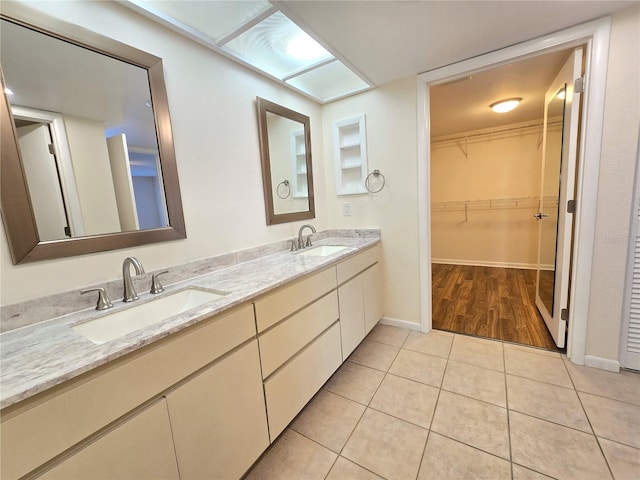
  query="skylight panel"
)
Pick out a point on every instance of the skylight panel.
point(277, 46)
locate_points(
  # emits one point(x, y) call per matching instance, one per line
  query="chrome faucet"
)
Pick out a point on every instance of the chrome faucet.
point(301, 243)
point(130, 293)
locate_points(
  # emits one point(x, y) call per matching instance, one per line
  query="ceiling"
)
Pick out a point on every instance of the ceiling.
point(463, 105)
point(383, 41)
point(388, 40)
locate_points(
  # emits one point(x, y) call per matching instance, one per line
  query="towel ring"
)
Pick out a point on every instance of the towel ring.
point(287, 186)
point(376, 173)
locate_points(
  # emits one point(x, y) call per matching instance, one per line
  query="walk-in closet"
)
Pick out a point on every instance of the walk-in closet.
point(495, 223)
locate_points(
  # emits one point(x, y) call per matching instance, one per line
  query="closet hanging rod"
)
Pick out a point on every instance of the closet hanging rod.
point(492, 132)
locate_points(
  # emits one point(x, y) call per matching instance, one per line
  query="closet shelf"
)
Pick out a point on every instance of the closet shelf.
point(494, 203)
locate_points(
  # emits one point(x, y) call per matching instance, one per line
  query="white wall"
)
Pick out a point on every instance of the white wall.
point(214, 121)
point(392, 148)
point(615, 187)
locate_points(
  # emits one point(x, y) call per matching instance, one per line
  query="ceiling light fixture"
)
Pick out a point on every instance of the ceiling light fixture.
point(8, 91)
point(506, 105)
point(561, 94)
point(303, 47)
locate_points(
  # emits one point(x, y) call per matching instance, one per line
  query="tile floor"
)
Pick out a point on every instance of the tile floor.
point(408, 405)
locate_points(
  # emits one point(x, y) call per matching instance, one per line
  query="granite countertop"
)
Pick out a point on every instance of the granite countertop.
point(37, 357)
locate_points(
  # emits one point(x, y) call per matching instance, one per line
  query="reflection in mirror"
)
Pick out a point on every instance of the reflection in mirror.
point(551, 196)
point(285, 146)
point(90, 146)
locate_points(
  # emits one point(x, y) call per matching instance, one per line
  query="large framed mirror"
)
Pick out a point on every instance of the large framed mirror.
point(285, 147)
point(87, 157)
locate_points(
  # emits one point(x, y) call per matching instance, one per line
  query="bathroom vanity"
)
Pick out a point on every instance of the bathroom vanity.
point(198, 395)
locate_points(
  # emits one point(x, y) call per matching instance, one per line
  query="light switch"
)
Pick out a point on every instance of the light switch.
point(346, 209)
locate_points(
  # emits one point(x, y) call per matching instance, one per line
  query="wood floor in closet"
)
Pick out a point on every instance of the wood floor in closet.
point(488, 302)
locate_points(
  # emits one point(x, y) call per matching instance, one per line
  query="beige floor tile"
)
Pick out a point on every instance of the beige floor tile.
point(624, 461)
point(614, 420)
point(419, 367)
point(538, 351)
point(476, 382)
point(344, 469)
point(623, 386)
point(387, 446)
point(442, 332)
point(473, 422)
point(293, 457)
point(328, 419)
point(387, 334)
point(406, 399)
point(375, 355)
point(431, 343)
point(447, 459)
point(554, 450)
point(355, 382)
point(537, 367)
point(521, 473)
point(478, 352)
point(549, 402)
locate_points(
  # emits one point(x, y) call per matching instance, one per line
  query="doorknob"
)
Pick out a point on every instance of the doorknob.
point(541, 215)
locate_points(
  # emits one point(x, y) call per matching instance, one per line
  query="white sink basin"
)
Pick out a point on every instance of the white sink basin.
point(117, 324)
point(323, 250)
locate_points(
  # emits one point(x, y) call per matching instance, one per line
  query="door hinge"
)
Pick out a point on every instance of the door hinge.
point(52, 149)
point(564, 314)
point(571, 206)
point(579, 84)
point(67, 231)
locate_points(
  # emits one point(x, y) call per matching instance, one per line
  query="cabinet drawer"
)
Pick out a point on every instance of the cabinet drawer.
point(278, 305)
point(283, 341)
point(34, 433)
point(289, 389)
point(354, 265)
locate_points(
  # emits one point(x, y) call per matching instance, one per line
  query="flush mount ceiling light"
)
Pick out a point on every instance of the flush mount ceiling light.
point(561, 94)
point(8, 91)
point(504, 106)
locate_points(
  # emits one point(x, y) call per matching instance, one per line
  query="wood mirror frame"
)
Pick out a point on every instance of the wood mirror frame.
point(264, 107)
point(15, 205)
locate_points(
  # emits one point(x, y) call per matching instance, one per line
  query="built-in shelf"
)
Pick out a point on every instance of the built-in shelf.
point(298, 165)
point(350, 155)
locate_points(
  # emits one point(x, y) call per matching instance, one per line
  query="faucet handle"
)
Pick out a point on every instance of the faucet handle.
point(156, 286)
point(103, 299)
point(308, 244)
point(294, 244)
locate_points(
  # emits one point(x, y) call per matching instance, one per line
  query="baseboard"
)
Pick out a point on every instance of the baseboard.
point(482, 263)
point(395, 322)
point(602, 363)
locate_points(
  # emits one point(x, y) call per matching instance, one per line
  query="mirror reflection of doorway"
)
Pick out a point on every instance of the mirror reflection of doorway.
point(486, 176)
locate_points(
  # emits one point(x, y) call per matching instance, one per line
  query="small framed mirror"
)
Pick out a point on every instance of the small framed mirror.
point(285, 148)
point(87, 157)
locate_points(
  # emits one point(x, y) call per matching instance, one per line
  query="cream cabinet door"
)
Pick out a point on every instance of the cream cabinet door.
point(372, 290)
point(141, 447)
point(218, 418)
point(352, 326)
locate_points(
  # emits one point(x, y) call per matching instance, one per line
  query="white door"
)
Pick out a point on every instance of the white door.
point(44, 182)
point(560, 149)
point(630, 333)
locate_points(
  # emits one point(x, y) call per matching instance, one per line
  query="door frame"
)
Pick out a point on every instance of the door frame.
point(595, 35)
